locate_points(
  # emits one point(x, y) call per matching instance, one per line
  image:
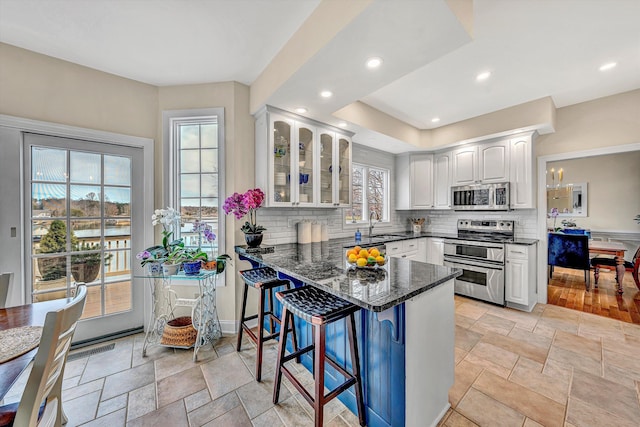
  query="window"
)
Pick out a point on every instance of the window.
point(370, 194)
point(196, 157)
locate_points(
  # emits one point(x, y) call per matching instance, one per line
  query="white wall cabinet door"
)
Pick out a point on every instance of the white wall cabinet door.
point(442, 180)
point(421, 181)
point(465, 165)
point(493, 162)
point(521, 172)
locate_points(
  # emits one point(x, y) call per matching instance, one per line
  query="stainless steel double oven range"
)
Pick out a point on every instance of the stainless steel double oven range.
point(479, 252)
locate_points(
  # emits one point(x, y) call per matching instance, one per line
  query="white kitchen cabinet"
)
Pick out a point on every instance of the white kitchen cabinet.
point(414, 249)
point(521, 174)
point(300, 162)
point(520, 276)
point(481, 163)
point(435, 250)
point(335, 169)
point(442, 180)
point(414, 181)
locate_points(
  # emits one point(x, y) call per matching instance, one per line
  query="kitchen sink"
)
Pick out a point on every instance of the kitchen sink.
point(388, 236)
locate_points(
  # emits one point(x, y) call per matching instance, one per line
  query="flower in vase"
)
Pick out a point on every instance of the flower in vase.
point(246, 204)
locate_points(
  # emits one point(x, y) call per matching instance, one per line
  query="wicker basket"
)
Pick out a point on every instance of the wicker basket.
point(179, 332)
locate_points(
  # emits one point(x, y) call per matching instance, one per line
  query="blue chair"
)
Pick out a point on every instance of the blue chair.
point(569, 251)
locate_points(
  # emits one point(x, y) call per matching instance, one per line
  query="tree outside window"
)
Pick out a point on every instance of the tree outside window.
point(370, 193)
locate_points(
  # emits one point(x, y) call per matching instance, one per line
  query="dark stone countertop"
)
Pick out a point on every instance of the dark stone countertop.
point(383, 238)
point(324, 266)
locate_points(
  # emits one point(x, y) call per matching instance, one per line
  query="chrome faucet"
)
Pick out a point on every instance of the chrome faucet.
point(371, 215)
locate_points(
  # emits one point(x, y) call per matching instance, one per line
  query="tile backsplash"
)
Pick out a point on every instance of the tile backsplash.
point(281, 222)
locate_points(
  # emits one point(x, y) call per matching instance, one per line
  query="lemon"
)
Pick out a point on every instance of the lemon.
point(353, 258)
point(380, 260)
point(374, 252)
point(361, 262)
point(363, 254)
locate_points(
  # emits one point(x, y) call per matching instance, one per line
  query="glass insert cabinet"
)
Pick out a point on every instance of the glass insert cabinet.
point(301, 162)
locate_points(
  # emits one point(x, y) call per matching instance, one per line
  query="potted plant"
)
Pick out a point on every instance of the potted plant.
point(154, 256)
point(85, 266)
point(193, 261)
point(247, 204)
point(173, 260)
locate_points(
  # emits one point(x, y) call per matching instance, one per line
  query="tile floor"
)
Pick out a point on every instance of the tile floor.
point(551, 367)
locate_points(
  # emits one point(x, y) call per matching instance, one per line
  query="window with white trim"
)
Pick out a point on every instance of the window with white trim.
point(196, 175)
point(370, 193)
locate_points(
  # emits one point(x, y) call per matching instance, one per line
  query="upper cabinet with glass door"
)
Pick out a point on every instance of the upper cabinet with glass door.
point(300, 162)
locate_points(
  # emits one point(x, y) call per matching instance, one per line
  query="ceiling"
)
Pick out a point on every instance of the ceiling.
point(533, 49)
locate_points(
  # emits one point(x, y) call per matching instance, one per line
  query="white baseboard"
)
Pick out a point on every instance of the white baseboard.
point(230, 327)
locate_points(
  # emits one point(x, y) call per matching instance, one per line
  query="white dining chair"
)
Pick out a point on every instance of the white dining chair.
point(45, 380)
point(5, 283)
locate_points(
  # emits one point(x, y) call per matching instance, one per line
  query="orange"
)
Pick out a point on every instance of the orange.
point(380, 260)
point(351, 252)
point(374, 252)
point(361, 262)
point(353, 258)
point(357, 249)
point(363, 253)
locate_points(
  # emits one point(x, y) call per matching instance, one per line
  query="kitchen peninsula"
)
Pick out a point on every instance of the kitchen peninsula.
point(405, 327)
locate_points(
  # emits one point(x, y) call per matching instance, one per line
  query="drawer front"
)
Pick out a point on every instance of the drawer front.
point(517, 252)
point(394, 248)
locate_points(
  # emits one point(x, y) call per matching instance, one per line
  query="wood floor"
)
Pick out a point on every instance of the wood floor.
point(567, 289)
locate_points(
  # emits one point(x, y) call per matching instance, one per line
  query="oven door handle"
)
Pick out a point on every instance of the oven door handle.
point(472, 243)
point(455, 263)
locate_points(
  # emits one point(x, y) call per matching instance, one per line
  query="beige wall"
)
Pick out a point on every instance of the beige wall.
point(40, 87)
point(603, 122)
point(613, 183)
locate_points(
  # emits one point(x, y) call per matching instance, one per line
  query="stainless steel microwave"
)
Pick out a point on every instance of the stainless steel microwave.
point(481, 197)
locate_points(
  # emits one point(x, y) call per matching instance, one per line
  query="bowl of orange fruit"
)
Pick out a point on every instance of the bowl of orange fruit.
point(365, 258)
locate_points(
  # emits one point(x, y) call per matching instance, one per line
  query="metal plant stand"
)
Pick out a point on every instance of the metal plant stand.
point(165, 300)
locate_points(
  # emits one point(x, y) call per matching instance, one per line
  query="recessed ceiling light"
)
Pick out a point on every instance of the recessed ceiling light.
point(374, 62)
point(483, 76)
point(435, 120)
point(301, 110)
point(608, 66)
point(326, 94)
point(342, 124)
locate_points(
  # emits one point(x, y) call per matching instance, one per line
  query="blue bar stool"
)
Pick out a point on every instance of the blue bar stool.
point(264, 279)
point(318, 308)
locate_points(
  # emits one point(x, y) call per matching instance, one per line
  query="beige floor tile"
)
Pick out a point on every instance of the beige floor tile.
point(631, 329)
point(82, 389)
point(196, 400)
point(213, 409)
point(580, 345)
point(82, 409)
point(553, 368)
point(292, 414)
point(621, 376)
point(180, 385)
point(575, 360)
point(466, 339)
point(543, 330)
point(492, 358)
point(629, 363)
point(257, 397)
point(490, 323)
point(179, 361)
point(103, 364)
point(472, 311)
point(516, 346)
point(225, 374)
point(170, 415)
point(529, 375)
point(458, 354)
point(486, 411)
point(107, 406)
point(141, 401)
point(530, 423)
point(523, 320)
point(128, 380)
point(457, 420)
point(464, 321)
point(582, 414)
point(465, 374)
point(531, 337)
point(606, 395)
point(113, 419)
point(268, 419)
point(534, 405)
